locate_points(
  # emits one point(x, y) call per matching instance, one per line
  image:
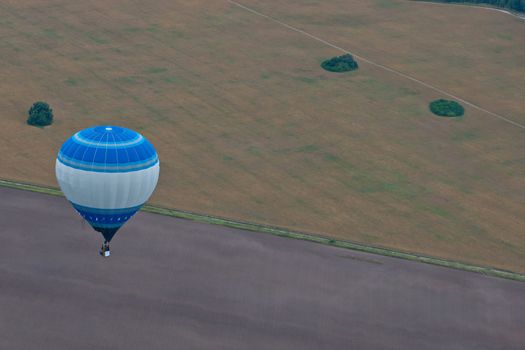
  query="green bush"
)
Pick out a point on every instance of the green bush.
point(344, 63)
point(40, 114)
point(446, 108)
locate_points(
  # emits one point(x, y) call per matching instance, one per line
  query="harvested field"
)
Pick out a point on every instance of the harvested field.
point(177, 283)
point(248, 126)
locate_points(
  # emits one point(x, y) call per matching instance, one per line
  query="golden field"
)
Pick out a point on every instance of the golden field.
point(248, 126)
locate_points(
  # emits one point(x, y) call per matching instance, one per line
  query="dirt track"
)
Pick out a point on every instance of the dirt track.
point(176, 284)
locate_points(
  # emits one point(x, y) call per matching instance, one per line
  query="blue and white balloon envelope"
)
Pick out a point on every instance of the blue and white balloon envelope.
point(107, 173)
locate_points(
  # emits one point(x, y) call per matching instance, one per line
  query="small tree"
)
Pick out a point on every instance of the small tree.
point(40, 114)
point(344, 63)
point(446, 108)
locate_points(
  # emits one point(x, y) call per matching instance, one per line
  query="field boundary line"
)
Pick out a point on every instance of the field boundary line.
point(378, 65)
point(304, 236)
point(463, 4)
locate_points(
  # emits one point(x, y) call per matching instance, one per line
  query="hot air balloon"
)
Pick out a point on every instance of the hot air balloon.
point(107, 173)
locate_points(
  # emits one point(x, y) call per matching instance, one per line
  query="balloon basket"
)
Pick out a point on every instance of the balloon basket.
point(104, 251)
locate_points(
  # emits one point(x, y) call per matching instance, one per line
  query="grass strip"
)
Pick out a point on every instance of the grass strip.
point(281, 232)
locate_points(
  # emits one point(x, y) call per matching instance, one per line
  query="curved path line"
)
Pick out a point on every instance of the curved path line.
point(522, 17)
point(391, 70)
